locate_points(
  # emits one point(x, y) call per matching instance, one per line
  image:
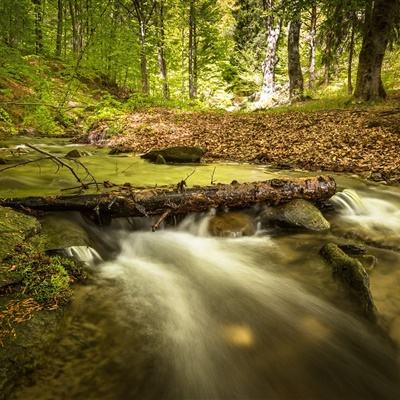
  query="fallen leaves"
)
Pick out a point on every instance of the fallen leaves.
point(337, 140)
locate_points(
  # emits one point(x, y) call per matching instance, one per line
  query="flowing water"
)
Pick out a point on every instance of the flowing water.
point(178, 314)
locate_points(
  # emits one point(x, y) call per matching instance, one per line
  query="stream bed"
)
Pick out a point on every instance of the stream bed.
point(180, 314)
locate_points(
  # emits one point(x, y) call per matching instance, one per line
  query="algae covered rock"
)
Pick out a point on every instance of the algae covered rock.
point(15, 228)
point(299, 213)
point(231, 224)
point(353, 275)
point(73, 154)
point(177, 154)
point(60, 232)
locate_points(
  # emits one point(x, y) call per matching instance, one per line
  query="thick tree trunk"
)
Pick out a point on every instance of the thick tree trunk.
point(126, 203)
point(161, 49)
point(376, 35)
point(273, 29)
point(38, 26)
point(60, 21)
point(192, 51)
point(296, 86)
point(313, 47)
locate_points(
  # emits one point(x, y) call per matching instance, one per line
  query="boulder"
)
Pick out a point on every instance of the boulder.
point(61, 232)
point(178, 154)
point(231, 224)
point(73, 154)
point(299, 213)
point(15, 228)
point(353, 275)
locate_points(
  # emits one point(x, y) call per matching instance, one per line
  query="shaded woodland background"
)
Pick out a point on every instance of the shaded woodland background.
point(58, 55)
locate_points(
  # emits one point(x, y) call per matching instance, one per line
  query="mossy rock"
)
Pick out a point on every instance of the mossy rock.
point(60, 232)
point(15, 228)
point(231, 224)
point(177, 154)
point(298, 213)
point(353, 275)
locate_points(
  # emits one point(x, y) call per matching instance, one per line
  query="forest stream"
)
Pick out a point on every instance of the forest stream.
point(182, 314)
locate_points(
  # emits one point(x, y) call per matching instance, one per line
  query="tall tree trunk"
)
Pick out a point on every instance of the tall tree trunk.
point(74, 26)
point(313, 46)
point(161, 49)
point(192, 51)
point(369, 84)
point(143, 58)
point(273, 28)
point(296, 83)
point(350, 59)
point(38, 26)
point(60, 21)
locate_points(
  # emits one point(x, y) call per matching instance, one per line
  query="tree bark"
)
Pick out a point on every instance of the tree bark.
point(273, 28)
point(296, 83)
point(313, 47)
point(143, 13)
point(125, 202)
point(161, 49)
point(369, 84)
point(38, 26)
point(76, 41)
point(192, 51)
point(60, 22)
point(350, 59)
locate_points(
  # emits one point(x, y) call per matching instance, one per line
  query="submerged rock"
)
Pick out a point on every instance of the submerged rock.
point(73, 154)
point(231, 224)
point(298, 212)
point(15, 228)
point(177, 154)
point(353, 275)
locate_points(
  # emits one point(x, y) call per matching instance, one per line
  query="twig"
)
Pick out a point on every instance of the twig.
point(181, 185)
point(24, 163)
point(57, 160)
point(212, 176)
point(87, 171)
point(160, 220)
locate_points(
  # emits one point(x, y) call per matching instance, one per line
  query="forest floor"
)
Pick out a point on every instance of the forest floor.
point(364, 140)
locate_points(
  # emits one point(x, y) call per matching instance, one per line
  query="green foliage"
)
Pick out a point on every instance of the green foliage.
point(42, 120)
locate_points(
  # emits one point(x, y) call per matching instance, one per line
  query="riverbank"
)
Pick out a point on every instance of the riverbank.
point(364, 141)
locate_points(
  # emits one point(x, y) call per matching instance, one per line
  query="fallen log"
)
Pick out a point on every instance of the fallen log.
point(127, 202)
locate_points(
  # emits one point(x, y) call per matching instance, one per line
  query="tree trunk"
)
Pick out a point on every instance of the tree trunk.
point(350, 60)
point(161, 49)
point(369, 84)
point(38, 26)
point(313, 47)
point(143, 58)
point(125, 203)
point(192, 51)
point(60, 21)
point(273, 28)
point(74, 26)
point(296, 87)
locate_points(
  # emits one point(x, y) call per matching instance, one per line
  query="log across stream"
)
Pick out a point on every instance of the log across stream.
point(126, 202)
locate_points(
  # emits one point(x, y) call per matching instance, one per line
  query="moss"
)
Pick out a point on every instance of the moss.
point(353, 275)
point(45, 278)
point(15, 227)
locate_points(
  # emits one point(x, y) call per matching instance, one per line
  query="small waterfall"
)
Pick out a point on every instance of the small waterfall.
point(223, 326)
point(349, 201)
point(373, 214)
point(84, 254)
